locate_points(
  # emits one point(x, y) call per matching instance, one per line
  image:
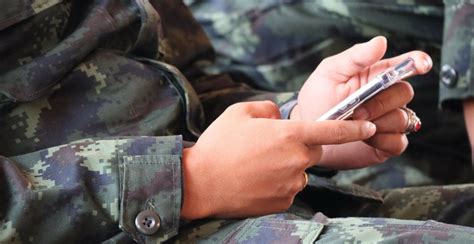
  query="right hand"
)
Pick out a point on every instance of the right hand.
point(249, 162)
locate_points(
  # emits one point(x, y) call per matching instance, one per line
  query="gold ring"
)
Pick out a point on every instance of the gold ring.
point(305, 180)
point(414, 123)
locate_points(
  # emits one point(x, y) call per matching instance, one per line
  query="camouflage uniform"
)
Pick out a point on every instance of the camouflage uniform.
point(133, 79)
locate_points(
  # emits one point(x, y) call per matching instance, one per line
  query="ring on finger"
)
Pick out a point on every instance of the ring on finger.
point(414, 123)
point(306, 179)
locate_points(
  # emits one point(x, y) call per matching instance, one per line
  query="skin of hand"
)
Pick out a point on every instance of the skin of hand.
point(469, 118)
point(249, 162)
point(337, 77)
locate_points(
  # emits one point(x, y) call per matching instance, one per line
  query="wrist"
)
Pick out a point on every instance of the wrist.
point(194, 201)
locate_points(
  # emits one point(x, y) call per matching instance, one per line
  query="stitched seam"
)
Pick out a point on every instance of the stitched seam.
point(174, 197)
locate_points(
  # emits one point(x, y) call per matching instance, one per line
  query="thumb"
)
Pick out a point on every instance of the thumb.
point(354, 60)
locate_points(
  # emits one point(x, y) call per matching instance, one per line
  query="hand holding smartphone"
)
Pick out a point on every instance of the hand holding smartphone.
point(347, 106)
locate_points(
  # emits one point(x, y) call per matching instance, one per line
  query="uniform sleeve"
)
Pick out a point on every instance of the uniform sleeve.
point(84, 191)
point(287, 107)
point(457, 65)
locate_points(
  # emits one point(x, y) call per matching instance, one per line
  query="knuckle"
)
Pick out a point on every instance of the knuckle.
point(339, 133)
point(287, 135)
point(303, 158)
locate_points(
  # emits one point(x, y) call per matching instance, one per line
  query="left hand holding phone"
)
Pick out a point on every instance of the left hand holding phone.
point(340, 75)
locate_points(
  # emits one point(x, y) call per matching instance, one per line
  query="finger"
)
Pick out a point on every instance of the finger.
point(393, 97)
point(299, 182)
point(393, 144)
point(259, 109)
point(396, 121)
point(361, 155)
point(423, 63)
point(327, 132)
point(346, 64)
point(315, 153)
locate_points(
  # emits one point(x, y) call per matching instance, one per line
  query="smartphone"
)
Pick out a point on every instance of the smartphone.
point(385, 79)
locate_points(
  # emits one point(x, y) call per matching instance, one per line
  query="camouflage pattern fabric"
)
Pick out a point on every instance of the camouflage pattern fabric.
point(279, 43)
point(300, 225)
point(457, 51)
point(135, 81)
point(82, 192)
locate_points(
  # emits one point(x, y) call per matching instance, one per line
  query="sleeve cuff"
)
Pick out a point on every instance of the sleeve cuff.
point(456, 83)
point(286, 108)
point(150, 176)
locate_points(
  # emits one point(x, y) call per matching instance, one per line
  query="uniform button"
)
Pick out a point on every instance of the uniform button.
point(449, 76)
point(147, 222)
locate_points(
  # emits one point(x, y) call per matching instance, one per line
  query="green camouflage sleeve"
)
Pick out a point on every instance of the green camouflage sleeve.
point(456, 82)
point(91, 190)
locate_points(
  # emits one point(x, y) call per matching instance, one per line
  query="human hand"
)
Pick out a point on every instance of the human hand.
point(339, 76)
point(249, 162)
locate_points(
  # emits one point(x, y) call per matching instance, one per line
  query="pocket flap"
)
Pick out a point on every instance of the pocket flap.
point(274, 229)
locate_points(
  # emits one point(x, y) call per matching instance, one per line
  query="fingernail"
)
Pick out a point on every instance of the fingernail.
point(371, 128)
point(361, 114)
point(428, 63)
